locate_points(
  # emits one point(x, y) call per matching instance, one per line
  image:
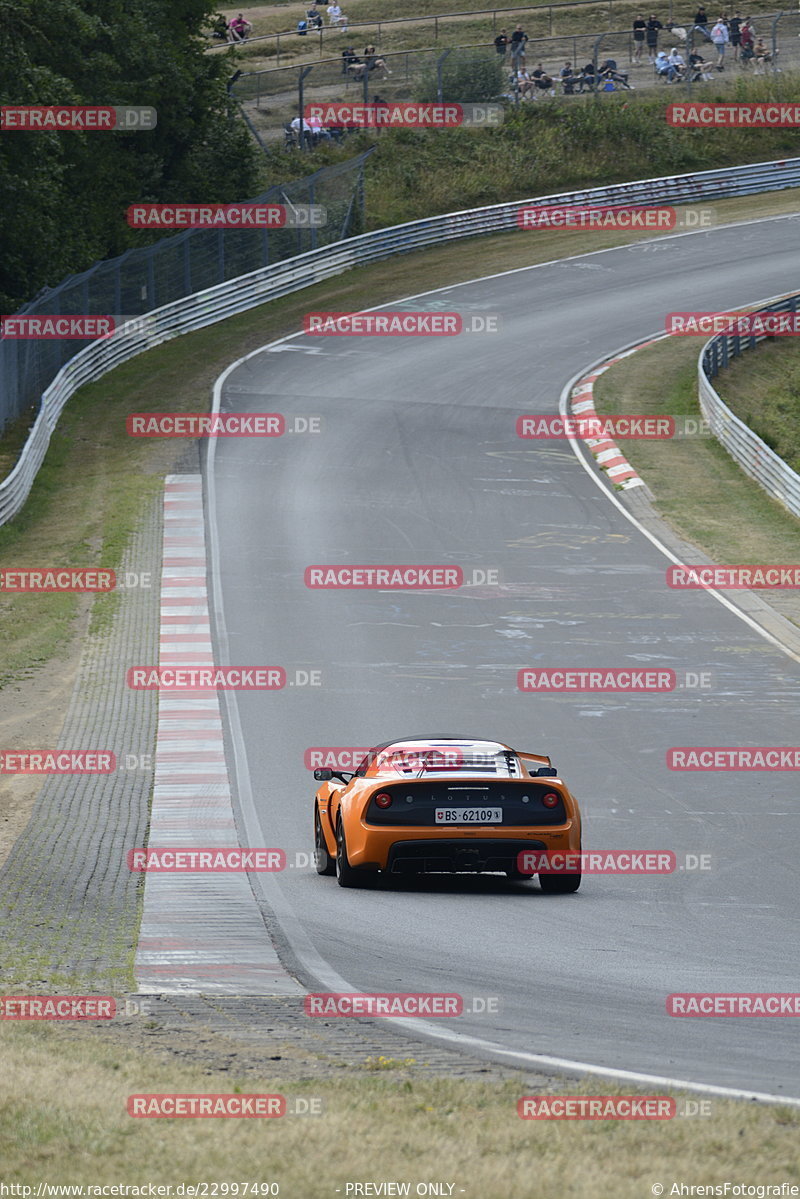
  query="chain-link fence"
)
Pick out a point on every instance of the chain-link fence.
point(144, 279)
point(275, 92)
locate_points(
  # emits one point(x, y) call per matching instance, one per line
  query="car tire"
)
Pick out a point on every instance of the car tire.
point(346, 875)
point(324, 862)
point(559, 884)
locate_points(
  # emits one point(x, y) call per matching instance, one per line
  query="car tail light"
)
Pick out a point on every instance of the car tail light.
point(383, 799)
point(550, 800)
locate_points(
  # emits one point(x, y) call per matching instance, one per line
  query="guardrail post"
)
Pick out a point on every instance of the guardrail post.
point(278, 50)
point(436, 29)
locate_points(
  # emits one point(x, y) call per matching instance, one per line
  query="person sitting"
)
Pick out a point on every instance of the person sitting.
point(700, 67)
point(762, 54)
point(239, 28)
point(219, 28)
point(608, 70)
point(568, 79)
point(542, 81)
point(677, 61)
point(372, 62)
point(664, 68)
point(314, 17)
point(588, 77)
point(523, 83)
point(302, 131)
point(349, 59)
point(335, 15)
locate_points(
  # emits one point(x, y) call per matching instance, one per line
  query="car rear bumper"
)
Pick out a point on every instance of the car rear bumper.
point(457, 854)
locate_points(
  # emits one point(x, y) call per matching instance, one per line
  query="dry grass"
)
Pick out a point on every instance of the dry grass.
point(66, 1122)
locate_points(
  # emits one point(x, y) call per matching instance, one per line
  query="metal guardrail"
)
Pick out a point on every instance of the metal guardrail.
point(753, 455)
point(204, 308)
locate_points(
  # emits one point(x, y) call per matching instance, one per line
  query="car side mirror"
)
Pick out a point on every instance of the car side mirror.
point(323, 776)
point(545, 772)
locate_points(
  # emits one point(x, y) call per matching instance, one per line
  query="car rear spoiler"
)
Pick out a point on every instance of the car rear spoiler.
point(539, 763)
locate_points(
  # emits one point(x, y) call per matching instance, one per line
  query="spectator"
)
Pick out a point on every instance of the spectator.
point(568, 79)
point(523, 84)
point(302, 131)
point(651, 35)
point(747, 39)
point(219, 28)
point(349, 57)
point(720, 38)
point(701, 23)
point(542, 81)
point(240, 28)
point(519, 40)
point(763, 55)
point(335, 16)
point(501, 43)
point(608, 70)
point(314, 17)
point(700, 67)
point(677, 60)
point(639, 28)
point(664, 68)
point(588, 77)
point(735, 33)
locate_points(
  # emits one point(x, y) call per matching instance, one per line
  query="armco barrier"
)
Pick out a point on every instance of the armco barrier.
point(753, 455)
point(269, 283)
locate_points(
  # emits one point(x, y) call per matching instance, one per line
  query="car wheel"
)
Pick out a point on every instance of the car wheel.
point(324, 862)
point(346, 876)
point(559, 884)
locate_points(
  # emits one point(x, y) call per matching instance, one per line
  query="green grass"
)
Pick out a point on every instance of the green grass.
point(763, 389)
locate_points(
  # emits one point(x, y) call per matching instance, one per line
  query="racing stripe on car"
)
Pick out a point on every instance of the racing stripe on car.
point(200, 932)
point(605, 451)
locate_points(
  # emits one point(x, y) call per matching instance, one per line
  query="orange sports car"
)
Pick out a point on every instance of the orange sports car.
point(447, 804)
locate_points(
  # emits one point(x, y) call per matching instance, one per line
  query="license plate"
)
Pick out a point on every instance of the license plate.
point(468, 815)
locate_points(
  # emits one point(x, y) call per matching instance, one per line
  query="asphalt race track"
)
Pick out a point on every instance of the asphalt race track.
point(418, 462)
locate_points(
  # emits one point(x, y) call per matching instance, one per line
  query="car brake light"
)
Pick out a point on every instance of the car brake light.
point(550, 800)
point(383, 799)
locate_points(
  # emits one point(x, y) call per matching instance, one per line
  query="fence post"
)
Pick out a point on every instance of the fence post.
point(439, 68)
point(775, 43)
point(277, 50)
point(303, 141)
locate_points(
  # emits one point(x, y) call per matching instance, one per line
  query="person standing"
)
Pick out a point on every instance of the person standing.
point(639, 28)
point(734, 31)
point(519, 40)
point(720, 38)
point(501, 43)
point(651, 36)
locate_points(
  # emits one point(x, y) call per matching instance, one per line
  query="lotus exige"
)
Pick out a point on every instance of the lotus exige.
point(450, 804)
